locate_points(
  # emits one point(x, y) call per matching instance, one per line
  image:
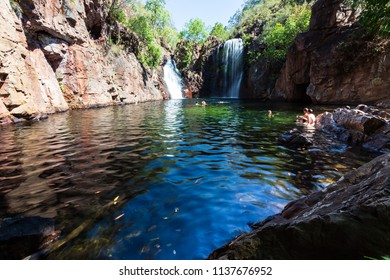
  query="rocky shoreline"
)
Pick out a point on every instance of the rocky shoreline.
point(349, 219)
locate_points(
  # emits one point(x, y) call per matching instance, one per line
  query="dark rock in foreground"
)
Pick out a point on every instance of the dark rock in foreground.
point(294, 139)
point(23, 236)
point(348, 220)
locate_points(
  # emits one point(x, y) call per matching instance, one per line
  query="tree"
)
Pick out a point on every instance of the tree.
point(195, 30)
point(282, 36)
point(140, 25)
point(375, 16)
point(219, 31)
point(159, 15)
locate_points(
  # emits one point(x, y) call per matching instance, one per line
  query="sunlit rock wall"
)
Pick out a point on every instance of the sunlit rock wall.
point(54, 56)
point(331, 64)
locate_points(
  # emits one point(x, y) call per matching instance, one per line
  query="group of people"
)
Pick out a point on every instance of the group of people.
point(203, 103)
point(308, 117)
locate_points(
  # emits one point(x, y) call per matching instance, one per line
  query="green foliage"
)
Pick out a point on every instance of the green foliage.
point(159, 16)
point(151, 22)
point(256, 14)
point(152, 53)
point(219, 31)
point(140, 25)
point(153, 56)
point(194, 30)
point(269, 27)
point(170, 36)
point(118, 14)
point(186, 53)
point(281, 36)
point(375, 16)
point(16, 7)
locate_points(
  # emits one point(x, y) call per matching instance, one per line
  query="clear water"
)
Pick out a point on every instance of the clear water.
point(161, 180)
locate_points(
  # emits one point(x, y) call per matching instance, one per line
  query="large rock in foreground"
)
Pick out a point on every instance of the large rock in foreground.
point(348, 220)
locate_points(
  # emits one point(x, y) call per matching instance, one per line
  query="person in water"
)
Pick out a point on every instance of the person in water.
point(311, 117)
point(270, 115)
point(308, 117)
point(305, 117)
point(204, 103)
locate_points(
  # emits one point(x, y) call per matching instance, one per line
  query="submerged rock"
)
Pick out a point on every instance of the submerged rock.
point(350, 219)
point(23, 236)
point(294, 139)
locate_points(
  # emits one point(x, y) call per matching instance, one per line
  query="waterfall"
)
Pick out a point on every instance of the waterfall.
point(233, 67)
point(173, 80)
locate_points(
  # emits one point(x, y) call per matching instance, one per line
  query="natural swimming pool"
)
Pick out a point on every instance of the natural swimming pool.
point(161, 180)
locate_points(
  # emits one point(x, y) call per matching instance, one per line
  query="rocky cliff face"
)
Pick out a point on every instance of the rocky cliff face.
point(201, 70)
point(54, 56)
point(332, 64)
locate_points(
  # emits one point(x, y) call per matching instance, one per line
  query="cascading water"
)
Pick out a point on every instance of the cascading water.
point(233, 67)
point(173, 80)
point(223, 71)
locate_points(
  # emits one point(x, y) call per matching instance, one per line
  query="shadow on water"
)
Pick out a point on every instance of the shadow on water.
point(162, 180)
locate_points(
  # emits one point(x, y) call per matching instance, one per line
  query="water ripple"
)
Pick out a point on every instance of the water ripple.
point(161, 180)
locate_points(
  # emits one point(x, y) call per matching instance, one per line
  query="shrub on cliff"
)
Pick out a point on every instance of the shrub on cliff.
point(281, 36)
point(151, 22)
point(269, 27)
point(219, 31)
point(375, 16)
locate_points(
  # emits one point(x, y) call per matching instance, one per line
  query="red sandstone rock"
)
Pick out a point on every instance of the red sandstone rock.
point(59, 59)
point(328, 66)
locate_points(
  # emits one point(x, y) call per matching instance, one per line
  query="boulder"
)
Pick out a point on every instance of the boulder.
point(350, 219)
point(295, 139)
point(364, 125)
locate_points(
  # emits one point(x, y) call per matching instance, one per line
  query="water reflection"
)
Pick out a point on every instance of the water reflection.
point(162, 180)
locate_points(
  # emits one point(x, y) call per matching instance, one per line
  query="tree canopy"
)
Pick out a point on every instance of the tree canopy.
point(375, 16)
point(194, 30)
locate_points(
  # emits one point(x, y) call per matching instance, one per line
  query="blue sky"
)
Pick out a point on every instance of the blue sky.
point(210, 11)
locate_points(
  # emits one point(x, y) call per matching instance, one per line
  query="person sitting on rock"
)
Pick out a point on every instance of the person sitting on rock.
point(305, 117)
point(311, 117)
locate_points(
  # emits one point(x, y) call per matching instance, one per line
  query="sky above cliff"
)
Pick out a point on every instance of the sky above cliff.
point(210, 11)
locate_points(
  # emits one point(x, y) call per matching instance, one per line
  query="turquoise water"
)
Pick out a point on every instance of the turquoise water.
point(161, 180)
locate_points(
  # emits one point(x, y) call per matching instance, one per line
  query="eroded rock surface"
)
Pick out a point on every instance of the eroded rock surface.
point(55, 56)
point(363, 125)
